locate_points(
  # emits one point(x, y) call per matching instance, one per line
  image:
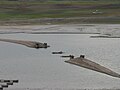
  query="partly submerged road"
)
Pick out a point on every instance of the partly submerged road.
point(83, 62)
point(31, 44)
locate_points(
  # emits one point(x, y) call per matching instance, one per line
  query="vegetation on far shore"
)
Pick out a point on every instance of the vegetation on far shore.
point(25, 10)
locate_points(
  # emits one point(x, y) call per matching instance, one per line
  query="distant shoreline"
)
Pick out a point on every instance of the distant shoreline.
point(99, 30)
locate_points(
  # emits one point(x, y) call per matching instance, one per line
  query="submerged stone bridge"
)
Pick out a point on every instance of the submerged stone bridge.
point(83, 62)
point(31, 44)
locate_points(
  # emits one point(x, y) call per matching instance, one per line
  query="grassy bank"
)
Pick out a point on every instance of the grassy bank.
point(14, 10)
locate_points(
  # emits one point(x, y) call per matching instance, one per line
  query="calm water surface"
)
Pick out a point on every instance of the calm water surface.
point(38, 68)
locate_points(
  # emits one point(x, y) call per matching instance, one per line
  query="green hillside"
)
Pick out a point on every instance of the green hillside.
point(36, 9)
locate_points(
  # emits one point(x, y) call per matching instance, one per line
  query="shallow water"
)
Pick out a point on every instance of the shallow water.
point(39, 68)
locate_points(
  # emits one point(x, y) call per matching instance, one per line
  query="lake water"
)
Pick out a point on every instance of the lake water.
point(39, 68)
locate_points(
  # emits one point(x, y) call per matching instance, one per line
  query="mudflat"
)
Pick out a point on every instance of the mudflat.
point(102, 29)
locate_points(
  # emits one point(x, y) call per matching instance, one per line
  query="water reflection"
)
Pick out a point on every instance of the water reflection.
point(39, 68)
